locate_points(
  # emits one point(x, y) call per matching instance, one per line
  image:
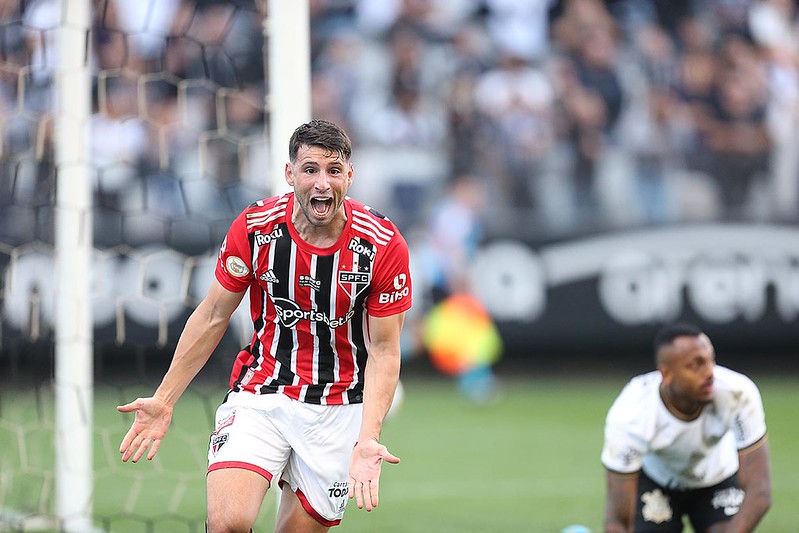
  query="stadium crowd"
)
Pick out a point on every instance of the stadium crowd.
point(571, 115)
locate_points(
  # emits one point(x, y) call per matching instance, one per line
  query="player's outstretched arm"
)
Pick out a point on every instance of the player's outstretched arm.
point(150, 425)
point(754, 476)
point(365, 465)
point(202, 333)
point(620, 504)
point(381, 376)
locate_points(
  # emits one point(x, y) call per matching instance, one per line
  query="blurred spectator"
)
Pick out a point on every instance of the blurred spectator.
point(739, 139)
point(451, 238)
point(774, 25)
point(520, 27)
point(590, 93)
point(540, 97)
point(514, 104)
point(471, 53)
point(694, 91)
point(336, 78)
point(133, 31)
point(449, 244)
point(650, 135)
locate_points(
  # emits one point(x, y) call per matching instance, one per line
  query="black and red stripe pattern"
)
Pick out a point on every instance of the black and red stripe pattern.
point(310, 305)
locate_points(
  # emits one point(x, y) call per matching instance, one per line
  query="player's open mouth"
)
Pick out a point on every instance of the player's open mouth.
point(321, 206)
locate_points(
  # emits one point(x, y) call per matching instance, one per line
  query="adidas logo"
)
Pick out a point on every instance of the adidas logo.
point(269, 277)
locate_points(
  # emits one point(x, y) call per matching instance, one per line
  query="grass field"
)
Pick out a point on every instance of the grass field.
point(528, 462)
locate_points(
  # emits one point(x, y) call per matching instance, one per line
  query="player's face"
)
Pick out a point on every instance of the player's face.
point(689, 373)
point(320, 179)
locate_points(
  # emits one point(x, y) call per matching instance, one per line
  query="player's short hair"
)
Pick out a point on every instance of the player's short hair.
point(323, 134)
point(668, 333)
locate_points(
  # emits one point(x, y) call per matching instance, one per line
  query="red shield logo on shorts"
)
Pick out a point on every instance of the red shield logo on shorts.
point(217, 441)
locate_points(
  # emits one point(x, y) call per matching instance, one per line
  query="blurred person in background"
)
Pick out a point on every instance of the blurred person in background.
point(738, 138)
point(688, 439)
point(651, 136)
point(329, 286)
point(514, 103)
point(452, 235)
point(589, 92)
point(774, 26)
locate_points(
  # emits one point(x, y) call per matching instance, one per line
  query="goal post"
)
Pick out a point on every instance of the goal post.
point(288, 99)
point(73, 248)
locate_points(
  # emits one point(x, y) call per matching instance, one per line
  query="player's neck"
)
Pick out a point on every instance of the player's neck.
point(318, 236)
point(684, 410)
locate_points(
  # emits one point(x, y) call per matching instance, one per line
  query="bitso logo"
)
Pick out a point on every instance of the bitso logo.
point(401, 290)
point(236, 266)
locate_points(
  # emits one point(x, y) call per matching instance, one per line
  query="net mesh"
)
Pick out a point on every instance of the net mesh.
point(178, 145)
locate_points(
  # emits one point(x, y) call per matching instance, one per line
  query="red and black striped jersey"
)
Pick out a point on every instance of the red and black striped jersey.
point(310, 305)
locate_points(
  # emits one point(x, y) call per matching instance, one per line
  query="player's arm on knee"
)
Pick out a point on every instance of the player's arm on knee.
point(620, 503)
point(754, 476)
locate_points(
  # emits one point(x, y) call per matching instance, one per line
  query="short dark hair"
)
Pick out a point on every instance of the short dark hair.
point(320, 133)
point(668, 333)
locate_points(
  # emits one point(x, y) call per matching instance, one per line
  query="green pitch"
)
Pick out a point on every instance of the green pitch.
point(527, 462)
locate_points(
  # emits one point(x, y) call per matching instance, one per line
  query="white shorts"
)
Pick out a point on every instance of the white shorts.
point(308, 446)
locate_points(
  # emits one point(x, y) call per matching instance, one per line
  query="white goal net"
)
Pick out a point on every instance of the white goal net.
point(176, 144)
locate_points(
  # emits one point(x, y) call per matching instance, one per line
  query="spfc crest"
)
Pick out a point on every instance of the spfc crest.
point(354, 283)
point(217, 441)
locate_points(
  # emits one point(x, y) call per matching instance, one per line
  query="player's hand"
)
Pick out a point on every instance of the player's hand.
point(150, 424)
point(365, 462)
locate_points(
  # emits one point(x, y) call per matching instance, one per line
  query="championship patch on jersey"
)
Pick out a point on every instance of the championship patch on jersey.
point(236, 266)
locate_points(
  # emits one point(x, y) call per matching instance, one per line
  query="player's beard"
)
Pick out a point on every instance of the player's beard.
point(317, 217)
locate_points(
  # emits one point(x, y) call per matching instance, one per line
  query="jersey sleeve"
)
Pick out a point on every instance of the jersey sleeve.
point(234, 262)
point(625, 443)
point(392, 289)
point(749, 419)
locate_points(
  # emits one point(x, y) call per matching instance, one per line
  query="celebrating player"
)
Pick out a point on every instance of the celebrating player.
point(688, 439)
point(329, 286)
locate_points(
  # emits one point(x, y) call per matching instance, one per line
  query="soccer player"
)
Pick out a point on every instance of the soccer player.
point(329, 285)
point(688, 439)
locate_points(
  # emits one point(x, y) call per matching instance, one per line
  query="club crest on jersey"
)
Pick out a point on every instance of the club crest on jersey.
point(354, 283)
point(657, 507)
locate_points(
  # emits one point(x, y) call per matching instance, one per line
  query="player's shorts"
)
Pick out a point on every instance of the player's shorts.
point(307, 446)
point(661, 510)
